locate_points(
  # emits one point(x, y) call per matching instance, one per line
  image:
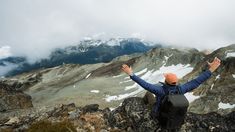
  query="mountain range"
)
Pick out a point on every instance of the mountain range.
point(86, 52)
point(106, 85)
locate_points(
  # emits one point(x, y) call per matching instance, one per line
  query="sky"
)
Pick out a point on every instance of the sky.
point(33, 28)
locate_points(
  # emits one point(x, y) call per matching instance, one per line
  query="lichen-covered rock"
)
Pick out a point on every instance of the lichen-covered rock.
point(136, 117)
point(132, 116)
point(90, 108)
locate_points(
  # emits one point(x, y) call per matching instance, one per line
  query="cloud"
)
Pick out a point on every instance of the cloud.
point(7, 68)
point(34, 28)
point(5, 52)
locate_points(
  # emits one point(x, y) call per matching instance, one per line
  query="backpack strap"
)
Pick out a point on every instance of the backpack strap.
point(166, 90)
point(178, 89)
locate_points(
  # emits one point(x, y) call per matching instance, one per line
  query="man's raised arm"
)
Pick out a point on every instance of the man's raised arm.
point(202, 77)
point(150, 87)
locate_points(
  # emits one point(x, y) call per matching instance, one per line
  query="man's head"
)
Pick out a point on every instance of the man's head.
point(171, 78)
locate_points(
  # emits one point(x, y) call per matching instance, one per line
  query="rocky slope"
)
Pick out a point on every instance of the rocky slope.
point(218, 92)
point(132, 116)
point(11, 98)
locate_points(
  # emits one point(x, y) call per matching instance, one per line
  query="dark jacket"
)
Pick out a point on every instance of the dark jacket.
point(158, 90)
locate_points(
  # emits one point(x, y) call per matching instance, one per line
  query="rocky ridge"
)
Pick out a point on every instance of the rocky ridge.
point(132, 116)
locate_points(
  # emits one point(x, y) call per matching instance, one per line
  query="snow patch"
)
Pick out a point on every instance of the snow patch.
point(233, 75)
point(131, 87)
point(83, 50)
point(212, 86)
point(225, 106)
point(110, 98)
point(232, 54)
point(191, 97)
point(166, 59)
point(117, 76)
point(111, 109)
point(88, 75)
point(154, 77)
point(125, 81)
point(217, 77)
point(180, 70)
point(13, 120)
point(94, 91)
point(121, 96)
point(141, 72)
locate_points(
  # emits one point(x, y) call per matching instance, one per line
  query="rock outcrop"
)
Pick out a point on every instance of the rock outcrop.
point(132, 116)
point(11, 98)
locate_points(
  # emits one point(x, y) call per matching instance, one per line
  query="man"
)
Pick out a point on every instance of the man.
point(171, 82)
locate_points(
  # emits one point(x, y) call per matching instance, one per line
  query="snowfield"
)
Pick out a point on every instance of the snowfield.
point(153, 76)
point(225, 106)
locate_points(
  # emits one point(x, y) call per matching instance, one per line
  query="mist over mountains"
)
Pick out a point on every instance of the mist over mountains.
point(88, 51)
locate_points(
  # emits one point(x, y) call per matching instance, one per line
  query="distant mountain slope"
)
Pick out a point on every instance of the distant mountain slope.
point(12, 60)
point(86, 52)
point(10, 63)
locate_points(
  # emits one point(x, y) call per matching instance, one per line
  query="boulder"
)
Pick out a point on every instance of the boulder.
point(11, 98)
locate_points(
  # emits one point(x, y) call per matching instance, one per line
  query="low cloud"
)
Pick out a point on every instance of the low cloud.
point(34, 28)
point(6, 69)
point(5, 52)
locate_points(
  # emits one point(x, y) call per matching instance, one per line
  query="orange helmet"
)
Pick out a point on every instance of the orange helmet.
point(171, 78)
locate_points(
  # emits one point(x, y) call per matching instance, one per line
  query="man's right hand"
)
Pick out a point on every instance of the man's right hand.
point(127, 69)
point(214, 64)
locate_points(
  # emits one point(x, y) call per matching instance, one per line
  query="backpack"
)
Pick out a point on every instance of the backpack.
point(173, 109)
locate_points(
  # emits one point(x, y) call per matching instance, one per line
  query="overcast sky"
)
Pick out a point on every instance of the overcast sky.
point(34, 27)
